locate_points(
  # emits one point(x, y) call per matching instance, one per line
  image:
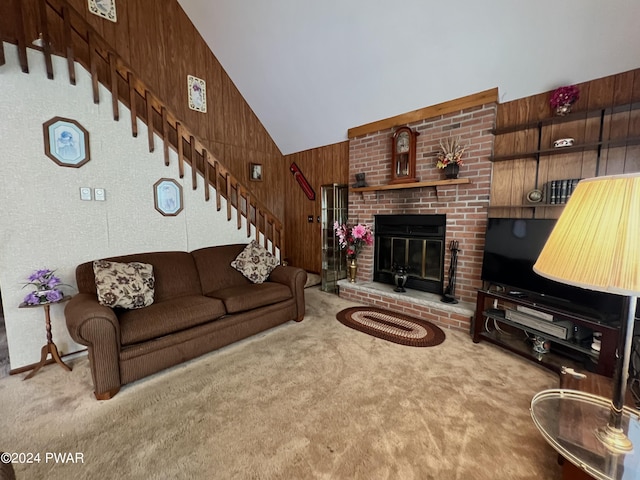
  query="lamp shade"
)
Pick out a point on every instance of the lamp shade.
point(595, 243)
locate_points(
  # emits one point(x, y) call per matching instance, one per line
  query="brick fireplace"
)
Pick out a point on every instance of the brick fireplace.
point(464, 206)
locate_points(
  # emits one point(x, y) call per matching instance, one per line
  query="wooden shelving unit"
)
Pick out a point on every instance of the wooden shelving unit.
point(606, 139)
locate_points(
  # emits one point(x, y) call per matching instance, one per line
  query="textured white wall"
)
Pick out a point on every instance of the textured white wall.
point(43, 222)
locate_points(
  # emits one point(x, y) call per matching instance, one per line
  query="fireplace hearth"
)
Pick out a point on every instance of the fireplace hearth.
point(414, 243)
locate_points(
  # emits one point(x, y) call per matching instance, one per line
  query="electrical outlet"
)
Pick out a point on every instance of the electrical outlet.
point(99, 194)
point(85, 193)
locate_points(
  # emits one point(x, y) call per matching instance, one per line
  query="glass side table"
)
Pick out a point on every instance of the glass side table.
point(568, 420)
point(50, 347)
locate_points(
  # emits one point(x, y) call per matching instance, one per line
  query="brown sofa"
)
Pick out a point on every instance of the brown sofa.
point(201, 303)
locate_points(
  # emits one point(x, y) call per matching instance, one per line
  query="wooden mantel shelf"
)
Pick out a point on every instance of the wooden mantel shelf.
point(398, 186)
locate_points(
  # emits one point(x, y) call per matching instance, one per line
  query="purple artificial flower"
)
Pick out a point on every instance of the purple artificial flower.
point(51, 281)
point(54, 296)
point(32, 299)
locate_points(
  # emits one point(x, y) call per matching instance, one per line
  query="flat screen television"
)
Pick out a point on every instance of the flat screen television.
point(512, 246)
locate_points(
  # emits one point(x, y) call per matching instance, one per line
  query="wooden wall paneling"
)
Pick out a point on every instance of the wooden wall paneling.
point(148, 55)
point(600, 95)
point(622, 123)
point(632, 161)
point(215, 102)
point(525, 173)
point(323, 165)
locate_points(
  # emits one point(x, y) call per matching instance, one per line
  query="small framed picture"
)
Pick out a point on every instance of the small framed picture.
point(197, 94)
point(255, 172)
point(66, 142)
point(167, 196)
point(104, 8)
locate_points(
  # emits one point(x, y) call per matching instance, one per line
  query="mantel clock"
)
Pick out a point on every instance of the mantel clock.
point(403, 156)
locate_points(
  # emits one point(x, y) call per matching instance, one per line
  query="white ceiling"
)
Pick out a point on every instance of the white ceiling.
point(311, 70)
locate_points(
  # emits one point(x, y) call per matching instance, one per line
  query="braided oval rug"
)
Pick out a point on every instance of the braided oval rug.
point(392, 326)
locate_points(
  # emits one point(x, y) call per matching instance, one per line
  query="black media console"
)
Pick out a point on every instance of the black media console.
point(511, 321)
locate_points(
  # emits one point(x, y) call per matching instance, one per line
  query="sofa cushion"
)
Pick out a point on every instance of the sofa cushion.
point(214, 267)
point(163, 318)
point(255, 262)
point(175, 274)
point(248, 297)
point(125, 285)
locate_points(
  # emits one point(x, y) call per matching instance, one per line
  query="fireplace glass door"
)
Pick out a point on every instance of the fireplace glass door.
point(420, 256)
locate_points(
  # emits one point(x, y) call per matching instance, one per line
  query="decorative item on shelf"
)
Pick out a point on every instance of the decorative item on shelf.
point(563, 98)
point(352, 239)
point(359, 181)
point(450, 157)
point(403, 156)
point(47, 288)
point(560, 191)
point(534, 196)
point(563, 142)
point(541, 344)
point(400, 276)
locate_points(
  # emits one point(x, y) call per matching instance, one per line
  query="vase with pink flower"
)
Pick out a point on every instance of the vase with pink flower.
point(352, 239)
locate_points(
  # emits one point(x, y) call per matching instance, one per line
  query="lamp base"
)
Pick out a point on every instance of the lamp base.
point(614, 439)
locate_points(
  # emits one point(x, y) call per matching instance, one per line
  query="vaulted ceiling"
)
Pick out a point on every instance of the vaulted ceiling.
point(311, 70)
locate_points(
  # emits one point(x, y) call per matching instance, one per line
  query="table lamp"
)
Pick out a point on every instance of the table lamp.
point(595, 245)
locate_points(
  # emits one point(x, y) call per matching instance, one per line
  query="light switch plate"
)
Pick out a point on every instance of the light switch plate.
point(85, 193)
point(99, 194)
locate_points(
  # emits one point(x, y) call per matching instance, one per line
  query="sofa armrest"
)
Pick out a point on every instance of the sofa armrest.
point(82, 308)
point(97, 327)
point(295, 278)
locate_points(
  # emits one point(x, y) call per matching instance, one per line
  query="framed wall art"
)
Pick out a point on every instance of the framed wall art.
point(255, 172)
point(66, 142)
point(167, 197)
point(104, 8)
point(197, 94)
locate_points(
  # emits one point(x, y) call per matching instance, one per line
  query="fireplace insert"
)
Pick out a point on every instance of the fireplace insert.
point(414, 242)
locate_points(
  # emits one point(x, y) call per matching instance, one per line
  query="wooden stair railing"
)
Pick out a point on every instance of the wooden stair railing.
point(65, 32)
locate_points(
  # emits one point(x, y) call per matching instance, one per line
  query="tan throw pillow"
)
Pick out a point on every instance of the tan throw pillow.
point(124, 285)
point(255, 262)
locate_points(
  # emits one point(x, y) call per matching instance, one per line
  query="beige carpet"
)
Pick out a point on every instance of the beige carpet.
point(314, 400)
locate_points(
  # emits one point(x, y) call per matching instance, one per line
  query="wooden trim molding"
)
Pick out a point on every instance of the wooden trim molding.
point(473, 100)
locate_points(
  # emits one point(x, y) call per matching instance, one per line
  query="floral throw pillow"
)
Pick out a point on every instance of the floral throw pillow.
point(255, 262)
point(124, 285)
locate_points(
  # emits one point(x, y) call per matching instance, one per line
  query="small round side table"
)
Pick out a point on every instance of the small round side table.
point(50, 347)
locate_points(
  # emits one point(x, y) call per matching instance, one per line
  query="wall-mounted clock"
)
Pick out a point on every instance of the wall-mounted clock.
point(403, 156)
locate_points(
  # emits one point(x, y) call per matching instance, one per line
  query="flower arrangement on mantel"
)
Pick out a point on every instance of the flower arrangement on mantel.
point(353, 238)
point(46, 288)
point(563, 97)
point(450, 153)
